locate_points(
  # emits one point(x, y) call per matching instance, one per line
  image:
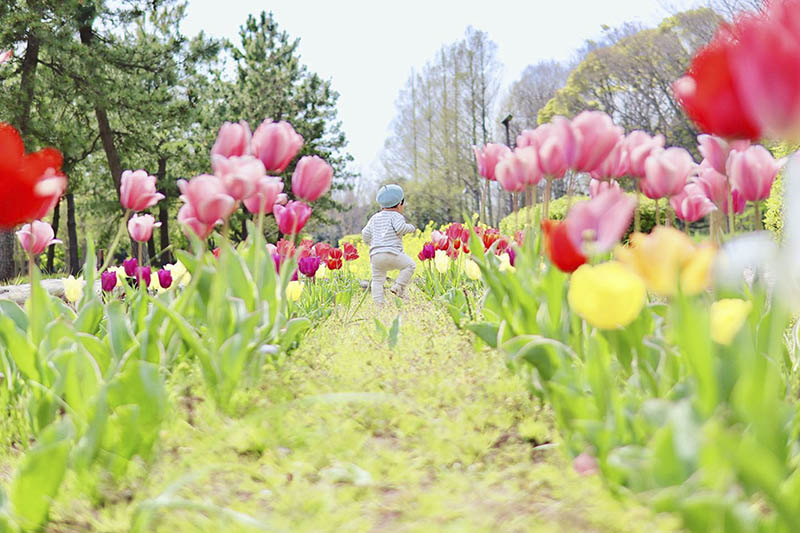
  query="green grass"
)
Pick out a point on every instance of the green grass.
point(350, 435)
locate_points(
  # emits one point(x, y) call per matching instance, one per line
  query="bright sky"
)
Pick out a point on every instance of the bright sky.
point(368, 47)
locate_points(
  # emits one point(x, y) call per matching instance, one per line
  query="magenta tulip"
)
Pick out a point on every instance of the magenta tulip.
point(36, 237)
point(519, 170)
point(276, 144)
point(233, 139)
point(597, 187)
point(595, 135)
point(292, 217)
point(129, 266)
point(691, 204)
point(208, 197)
point(488, 157)
point(240, 174)
point(137, 190)
point(142, 274)
point(188, 218)
point(165, 278)
point(308, 265)
point(638, 147)
point(752, 172)
point(108, 280)
point(595, 226)
point(266, 195)
point(141, 227)
point(312, 178)
point(666, 172)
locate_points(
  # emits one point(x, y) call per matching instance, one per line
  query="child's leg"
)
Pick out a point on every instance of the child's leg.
point(379, 269)
point(406, 266)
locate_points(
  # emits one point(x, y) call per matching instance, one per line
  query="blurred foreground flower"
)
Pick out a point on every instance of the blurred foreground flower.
point(472, 270)
point(562, 253)
point(727, 318)
point(608, 295)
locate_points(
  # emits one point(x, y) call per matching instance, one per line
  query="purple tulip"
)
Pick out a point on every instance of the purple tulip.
point(512, 255)
point(164, 278)
point(130, 265)
point(108, 280)
point(429, 251)
point(308, 265)
point(143, 274)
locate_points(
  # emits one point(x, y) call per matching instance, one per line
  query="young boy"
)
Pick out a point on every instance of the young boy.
point(383, 234)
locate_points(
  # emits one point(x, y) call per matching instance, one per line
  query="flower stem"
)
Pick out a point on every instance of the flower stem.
point(731, 214)
point(637, 214)
point(757, 225)
point(658, 210)
point(115, 242)
point(546, 201)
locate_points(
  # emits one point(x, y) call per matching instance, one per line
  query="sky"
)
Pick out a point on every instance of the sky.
point(368, 48)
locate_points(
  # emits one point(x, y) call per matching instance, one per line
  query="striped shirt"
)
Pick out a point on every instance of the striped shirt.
point(383, 232)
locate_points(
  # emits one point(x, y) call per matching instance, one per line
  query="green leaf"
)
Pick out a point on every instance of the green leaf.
point(486, 331)
point(15, 312)
point(394, 332)
point(22, 351)
point(89, 315)
point(294, 328)
point(120, 336)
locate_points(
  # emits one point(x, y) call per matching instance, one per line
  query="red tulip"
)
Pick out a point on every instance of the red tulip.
point(752, 172)
point(595, 226)
point(595, 136)
point(36, 237)
point(562, 253)
point(276, 144)
point(303, 249)
point(285, 248)
point(312, 178)
point(208, 197)
point(691, 204)
point(489, 237)
point(350, 251)
point(334, 261)
point(666, 172)
point(239, 174)
point(266, 195)
point(233, 139)
point(141, 227)
point(137, 190)
point(638, 147)
point(488, 157)
point(322, 250)
point(519, 170)
point(30, 184)
point(292, 217)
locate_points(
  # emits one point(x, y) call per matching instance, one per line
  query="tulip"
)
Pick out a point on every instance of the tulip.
point(308, 265)
point(6, 56)
point(715, 151)
point(36, 237)
point(752, 172)
point(137, 190)
point(597, 187)
point(276, 144)
point(562, 253)
point(638, 147)
point(505, 264)
point(512, 255)
point(615, 165)
point(233, 139)
point(595, 226)
point(595, 136)
point(585, 464)
point(557, 146)
point(30, 184)
point(440, 240)
point(488, 157)
point(489, 237)
point(441, 261)
point(691, 204)
point(293, 290)
point(727, 318)
point(350, 251)
point(312, 178)
point(239, 174)
point(472, 270)
point(267, 190)
point(666, 172)
point(179, 274)
point(142, 275)
point(208, 197)
point(130, 265)
point(188, 218)
point(271, 249)
point(607, 296)
point(323, 250)
point(428, 252)
point(335, 259)
point(164, 278)
point(667, 260)
point(73, 288)
point(519, 170)
point(292, 217)
point(141, 227)
point(285, 248)
point(108, 280)
point(715, 186)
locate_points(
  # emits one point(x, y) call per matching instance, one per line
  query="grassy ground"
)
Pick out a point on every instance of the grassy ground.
point(350, 435)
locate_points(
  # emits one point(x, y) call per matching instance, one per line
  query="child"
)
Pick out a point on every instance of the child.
point(383, 235)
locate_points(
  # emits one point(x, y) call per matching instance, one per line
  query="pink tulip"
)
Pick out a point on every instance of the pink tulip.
point(638, 147)
point(691, 204)
point(595, 226)
point(715, 150)
point(141, 227)
point(556, 144)
point(36, 237)
point(208, 197)
point(615, 165)
point(312, 178)
point(519, 170)
point(137, 190)
point(715, 187)
point(597, 187)
point(233, 139)
point(266, 195)
point(6, 56)
point(752, 172)
point(188, 218)
point(596, 135)
point(292, 217)
point(666, 172)
point(240, 174)
point(276, 144)
point(488, 157)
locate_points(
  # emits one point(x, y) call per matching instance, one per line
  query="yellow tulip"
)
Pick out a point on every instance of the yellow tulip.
point(441, 261)
point(608, 295)
point(322, 271)
point(666, 258)
point(472, 270)
point(727, 318)
point(180, 275)
point(294, 290)
point(73, 288)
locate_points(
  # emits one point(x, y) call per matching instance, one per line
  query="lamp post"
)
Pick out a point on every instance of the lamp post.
point(505, 122)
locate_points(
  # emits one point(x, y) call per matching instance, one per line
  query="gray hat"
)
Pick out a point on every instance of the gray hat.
point(390, 195)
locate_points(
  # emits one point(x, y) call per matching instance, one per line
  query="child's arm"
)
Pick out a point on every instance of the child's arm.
point(366, 233)
point(401, 228)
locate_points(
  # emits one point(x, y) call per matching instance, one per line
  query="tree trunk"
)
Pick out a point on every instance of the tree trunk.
point(51, 250)
point(7, 267)
point(72, 235)
point(151, 249)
